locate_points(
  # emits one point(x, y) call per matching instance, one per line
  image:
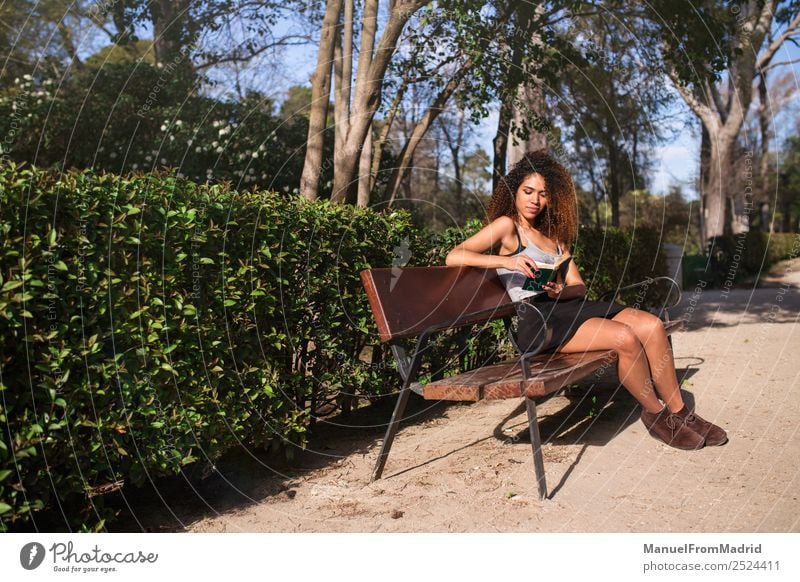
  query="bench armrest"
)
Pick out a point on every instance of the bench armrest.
point(545, 337)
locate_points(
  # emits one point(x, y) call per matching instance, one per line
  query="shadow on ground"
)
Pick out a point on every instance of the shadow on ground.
point(243, 477)
point(594, 415)
point(701, 308)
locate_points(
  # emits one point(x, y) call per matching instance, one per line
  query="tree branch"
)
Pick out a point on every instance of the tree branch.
point(765, 57)
point(422, 127)
point(236, 57)
point(703, 111)
point(778, 64)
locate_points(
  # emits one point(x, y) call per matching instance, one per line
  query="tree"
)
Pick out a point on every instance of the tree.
point(108, 119)
point(775, 97)
point(465, 56)
point(355, 102)
point(522, 124)
point(446, 181)
point(296, 104)
point(611, 105)
point(215, 32)
point(527, 109)
point(755, 32)
point(198, 36)
point(40, 37)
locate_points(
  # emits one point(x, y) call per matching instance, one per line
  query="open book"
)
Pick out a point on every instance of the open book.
point(546, 273)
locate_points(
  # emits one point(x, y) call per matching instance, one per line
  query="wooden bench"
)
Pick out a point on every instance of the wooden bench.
point(421, 301)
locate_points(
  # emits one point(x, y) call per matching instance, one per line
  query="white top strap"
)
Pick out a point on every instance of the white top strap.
point(530, 243)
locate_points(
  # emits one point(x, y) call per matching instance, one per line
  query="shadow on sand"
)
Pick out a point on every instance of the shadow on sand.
point(593, 415)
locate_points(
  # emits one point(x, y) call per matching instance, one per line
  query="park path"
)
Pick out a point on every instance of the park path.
point(461, 468)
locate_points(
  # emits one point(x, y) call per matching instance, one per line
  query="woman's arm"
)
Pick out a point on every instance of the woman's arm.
point(470, 253)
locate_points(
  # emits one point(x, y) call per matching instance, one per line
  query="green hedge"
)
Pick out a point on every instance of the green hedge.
point(781, 246)
point(148, 323)
point(736, 258)
point(613, 257)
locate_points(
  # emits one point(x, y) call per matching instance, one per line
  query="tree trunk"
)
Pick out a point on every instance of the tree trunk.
point(716, 194)
point(455, 152)
point(421, 128)
point(364, 172)
point(530, 100)
point(454, 144)
point(500, 143)
point(386, 125)
point(343, 77)
point(372, 67)
point(66, 37)
point(763, 122)
point(614, 189)
point(529, 108)
point(723, 119)
point(715, 191)
point(169, 19)
point(786, 211)
point(320, 94)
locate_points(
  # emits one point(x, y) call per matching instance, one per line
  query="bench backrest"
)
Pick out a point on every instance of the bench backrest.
point(406, 302)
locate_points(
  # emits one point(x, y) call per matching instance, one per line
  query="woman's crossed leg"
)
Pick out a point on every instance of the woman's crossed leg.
point(642, 347)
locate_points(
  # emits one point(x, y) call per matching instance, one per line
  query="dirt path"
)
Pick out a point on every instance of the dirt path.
point(462, 468)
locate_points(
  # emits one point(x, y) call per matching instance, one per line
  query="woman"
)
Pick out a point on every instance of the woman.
point(533, 218)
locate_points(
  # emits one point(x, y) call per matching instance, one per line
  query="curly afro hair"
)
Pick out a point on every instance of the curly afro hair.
point(561, 219)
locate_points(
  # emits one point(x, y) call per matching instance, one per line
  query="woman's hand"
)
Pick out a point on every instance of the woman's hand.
point(553, 289)
point(523, 264)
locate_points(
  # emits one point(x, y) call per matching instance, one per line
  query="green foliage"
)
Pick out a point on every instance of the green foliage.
point(736, 258)
point(439, 244)
point(612, 257)
point(787, 205)
point(134, 116)
point(781, 246)
point(149, 323)
point(696, 46)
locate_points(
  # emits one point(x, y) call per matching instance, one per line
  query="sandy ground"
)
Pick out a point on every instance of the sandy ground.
point(468, 467)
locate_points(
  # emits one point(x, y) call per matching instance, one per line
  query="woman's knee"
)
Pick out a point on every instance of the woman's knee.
point(626, 340)
point(649, 326)
point(644, 324)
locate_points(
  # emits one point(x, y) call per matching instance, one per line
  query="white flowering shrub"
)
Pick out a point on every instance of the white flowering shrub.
point(136, 117)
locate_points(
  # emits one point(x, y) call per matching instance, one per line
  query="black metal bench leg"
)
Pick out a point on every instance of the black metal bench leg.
point(408, 370)
point(536, 443)
point(397, 416)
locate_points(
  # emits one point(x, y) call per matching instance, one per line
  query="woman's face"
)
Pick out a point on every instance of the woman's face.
point(532, 197)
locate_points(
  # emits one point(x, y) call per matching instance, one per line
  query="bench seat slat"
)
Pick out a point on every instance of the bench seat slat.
point(550, 375)
point(467, 385)
point(504, 380)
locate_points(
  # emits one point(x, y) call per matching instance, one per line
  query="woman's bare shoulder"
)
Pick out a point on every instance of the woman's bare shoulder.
point(502, 231)
point(505, 224)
